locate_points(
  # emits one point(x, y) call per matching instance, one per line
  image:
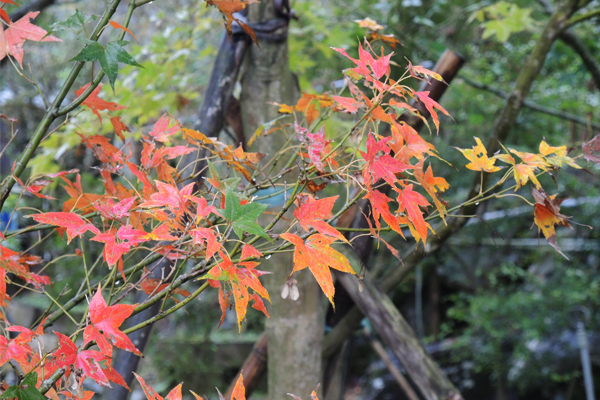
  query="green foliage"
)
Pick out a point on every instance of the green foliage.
point(503, 19)
point(108, 56)
point(517, 311)
point(243, 217)
point(75, 22)
point(25, 390)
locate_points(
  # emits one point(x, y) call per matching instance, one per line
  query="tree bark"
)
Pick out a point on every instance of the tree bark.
point(295, 329)
point(399, 337)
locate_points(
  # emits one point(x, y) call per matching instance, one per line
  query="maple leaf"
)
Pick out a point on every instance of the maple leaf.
point(128, 237)
point(380, 207)
point(318, 256)
point(239, 391)
point(111, 210)
point(25, 390)
point(171, 197)
point(230, 7)
point(432, 185)
point(174, 394)
point(547, 215)
point(104, 324)
point(315, 142)
point(223, 300)
point(243, 217)
point(95, 103)
point(13, 262)
point(86, 361)
point(409, 201)
point(348, 104)
point(119, 127)
point(108, 56)
point(556, 156)
point(249, 251)
point(117, 25)
point(148, 188)
point(312, 213)
point(35, 187)
point(591, 150)
point(381, 166)
point(206, 236)
point(431, 105)
point(151, 286)
point(522, 172)
point(13, 37)
point(479, 158)
point(406, 137)
point(379, 66)
point(419, 72)
point(240, 280)
point(369, 24)
point(12, 350)
point(73, 223)
point(161, 131)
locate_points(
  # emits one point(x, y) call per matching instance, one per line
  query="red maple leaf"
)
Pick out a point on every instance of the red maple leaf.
point(111, 210)
point(119, 127)
point(72, 222)
point(171, 197)
point(311, 213)
point(161, 131)
point(104, 324)
point(86, 362)
point(348, 104)
point(431, 105)
point(432, 185)
point(381, 166)
point(206, 236)
point(174, 394)
point(409, 201)
point(13, 38)
point(95, 103)
point(119, 243)
point(318, 256)
point(315, 142)
point(12, 350)
point(380, 207)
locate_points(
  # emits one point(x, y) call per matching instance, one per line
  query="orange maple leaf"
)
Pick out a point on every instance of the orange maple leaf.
point(95, 103)
point(240, 280)
point(311, 213)
point(318, 256)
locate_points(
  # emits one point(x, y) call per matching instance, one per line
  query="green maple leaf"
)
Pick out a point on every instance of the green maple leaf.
point(243, 217)
point(75, 22)
point(109, 57)
point(25, 391)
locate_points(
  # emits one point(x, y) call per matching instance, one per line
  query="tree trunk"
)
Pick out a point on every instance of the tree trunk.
point(295, 329)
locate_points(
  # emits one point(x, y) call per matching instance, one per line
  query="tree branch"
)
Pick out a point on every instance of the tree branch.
point(580, 18)
point(530, 104)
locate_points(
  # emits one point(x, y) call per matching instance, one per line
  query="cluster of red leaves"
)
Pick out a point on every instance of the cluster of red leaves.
point(77, 362)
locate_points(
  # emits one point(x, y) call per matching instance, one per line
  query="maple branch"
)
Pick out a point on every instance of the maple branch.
point(47, 384)
point(580, 18)
point(534, 106)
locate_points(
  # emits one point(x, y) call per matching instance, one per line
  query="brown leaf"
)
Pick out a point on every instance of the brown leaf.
point(591, 150)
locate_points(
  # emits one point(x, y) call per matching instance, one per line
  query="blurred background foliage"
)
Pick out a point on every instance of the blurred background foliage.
point(508, 302)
